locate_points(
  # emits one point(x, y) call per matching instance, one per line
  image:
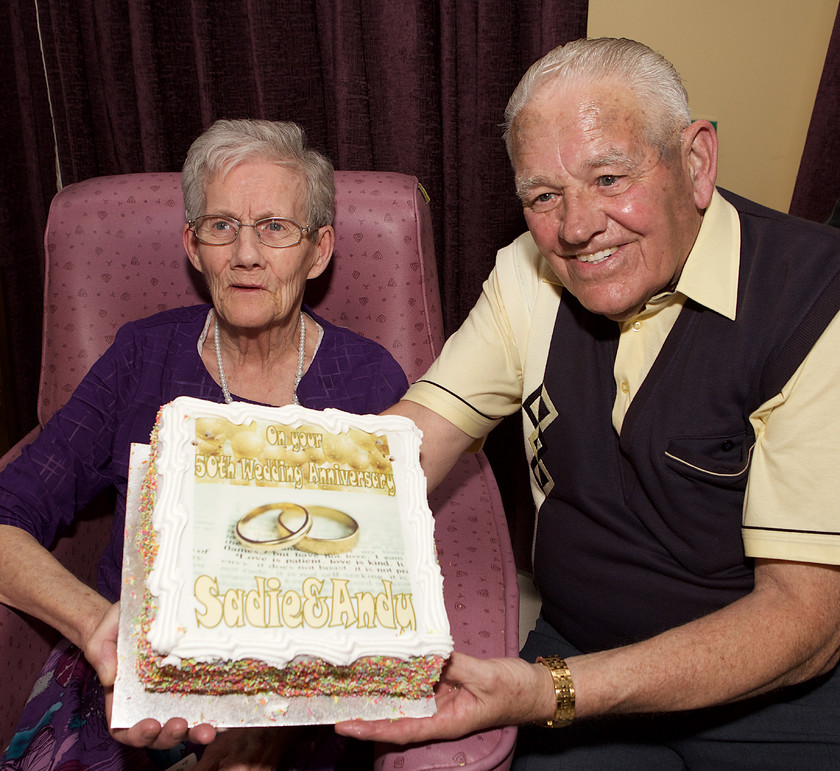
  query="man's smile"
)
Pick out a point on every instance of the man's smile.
point(599, 256)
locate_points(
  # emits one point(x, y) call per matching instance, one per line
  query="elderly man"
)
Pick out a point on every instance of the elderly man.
point(673, 350)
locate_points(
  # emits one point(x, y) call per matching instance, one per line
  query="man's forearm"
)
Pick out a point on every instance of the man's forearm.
point(784, 632)
point(443, 443)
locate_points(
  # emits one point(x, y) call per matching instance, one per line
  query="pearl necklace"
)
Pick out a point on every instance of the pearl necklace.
point(223, 377)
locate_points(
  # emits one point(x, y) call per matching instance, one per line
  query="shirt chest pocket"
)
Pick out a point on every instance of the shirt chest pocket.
point(723, 461)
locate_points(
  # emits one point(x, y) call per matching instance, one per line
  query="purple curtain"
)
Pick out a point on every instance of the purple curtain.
point(818, 181)
point(27, 183)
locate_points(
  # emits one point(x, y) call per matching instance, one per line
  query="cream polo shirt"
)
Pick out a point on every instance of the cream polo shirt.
point(498, 356)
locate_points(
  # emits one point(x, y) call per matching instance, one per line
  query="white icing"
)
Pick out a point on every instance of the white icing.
point(174, 631)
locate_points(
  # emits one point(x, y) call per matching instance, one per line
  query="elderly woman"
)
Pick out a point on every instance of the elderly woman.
point(259, 206)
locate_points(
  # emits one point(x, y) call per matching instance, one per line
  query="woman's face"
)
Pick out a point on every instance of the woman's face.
point(256, 287)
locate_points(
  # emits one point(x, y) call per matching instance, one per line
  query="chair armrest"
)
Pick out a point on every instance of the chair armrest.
point(14, 452)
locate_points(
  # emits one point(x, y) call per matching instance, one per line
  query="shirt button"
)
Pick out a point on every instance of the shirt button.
point(637, 325)
point(625, 387)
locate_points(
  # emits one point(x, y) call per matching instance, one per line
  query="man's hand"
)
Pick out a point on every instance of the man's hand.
point(472, 695)
point(100, 650)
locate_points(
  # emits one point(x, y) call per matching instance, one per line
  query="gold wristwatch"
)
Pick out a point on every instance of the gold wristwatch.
point(564, 691)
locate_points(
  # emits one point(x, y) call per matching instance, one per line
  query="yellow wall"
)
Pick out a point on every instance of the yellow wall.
point(751, 65)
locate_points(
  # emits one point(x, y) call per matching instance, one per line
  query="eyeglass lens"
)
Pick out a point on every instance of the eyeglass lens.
point(216, 230)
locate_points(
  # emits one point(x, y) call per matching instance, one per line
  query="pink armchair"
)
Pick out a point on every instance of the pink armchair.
point(114, 254)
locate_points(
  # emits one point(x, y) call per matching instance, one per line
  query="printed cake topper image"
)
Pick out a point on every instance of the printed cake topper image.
point(297, 526)
point(305, 456)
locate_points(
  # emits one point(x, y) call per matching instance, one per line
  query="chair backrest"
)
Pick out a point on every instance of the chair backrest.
point(114, 254)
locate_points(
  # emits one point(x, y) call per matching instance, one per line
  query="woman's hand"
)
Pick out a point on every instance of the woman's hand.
point(100, 650)
point(473, 694)
point(247, 749)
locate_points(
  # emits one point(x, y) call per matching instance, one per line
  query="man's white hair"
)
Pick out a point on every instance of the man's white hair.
point(644, 72)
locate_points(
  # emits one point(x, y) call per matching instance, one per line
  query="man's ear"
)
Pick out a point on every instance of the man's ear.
point(324, 245)
point(191, 247)
point(700, 145)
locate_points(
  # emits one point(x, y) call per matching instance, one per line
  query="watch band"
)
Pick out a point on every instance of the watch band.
point(564, 691)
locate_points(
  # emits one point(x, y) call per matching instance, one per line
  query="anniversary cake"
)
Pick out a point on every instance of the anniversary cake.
point(287, 551)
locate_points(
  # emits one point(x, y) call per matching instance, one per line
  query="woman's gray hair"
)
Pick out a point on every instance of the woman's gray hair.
point(228, 143)
point(648, 74)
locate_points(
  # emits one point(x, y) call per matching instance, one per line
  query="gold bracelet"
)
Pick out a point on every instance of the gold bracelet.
point(564, 691)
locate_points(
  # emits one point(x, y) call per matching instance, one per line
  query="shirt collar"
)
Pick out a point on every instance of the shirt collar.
point(710, 274)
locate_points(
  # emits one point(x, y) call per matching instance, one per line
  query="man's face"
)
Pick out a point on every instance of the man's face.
point(624, 218)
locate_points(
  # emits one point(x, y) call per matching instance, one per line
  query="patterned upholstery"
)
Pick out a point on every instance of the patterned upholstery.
point(114, 254)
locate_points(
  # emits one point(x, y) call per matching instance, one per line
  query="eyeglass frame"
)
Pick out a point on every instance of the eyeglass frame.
point(303, 229)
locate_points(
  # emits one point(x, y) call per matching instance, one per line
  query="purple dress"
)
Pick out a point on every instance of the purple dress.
point(84, 450)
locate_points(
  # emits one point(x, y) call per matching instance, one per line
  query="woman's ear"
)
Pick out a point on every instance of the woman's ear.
point(700, 144)
point(191, 247)
point(324, 244)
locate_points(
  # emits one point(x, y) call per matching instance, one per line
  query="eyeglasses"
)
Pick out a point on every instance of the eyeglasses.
point(276, 232)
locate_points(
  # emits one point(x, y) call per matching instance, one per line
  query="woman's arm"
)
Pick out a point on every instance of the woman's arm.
point(34, 581)
point(67, 465)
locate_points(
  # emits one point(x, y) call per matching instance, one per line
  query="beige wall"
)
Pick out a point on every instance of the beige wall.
point(751, 65)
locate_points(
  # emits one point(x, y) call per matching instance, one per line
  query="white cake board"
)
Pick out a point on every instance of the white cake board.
point(133, 703)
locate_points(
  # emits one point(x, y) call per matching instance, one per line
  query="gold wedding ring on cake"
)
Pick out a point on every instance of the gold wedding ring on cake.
point(300, 538)
point(292, 537)
point(313, 545)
